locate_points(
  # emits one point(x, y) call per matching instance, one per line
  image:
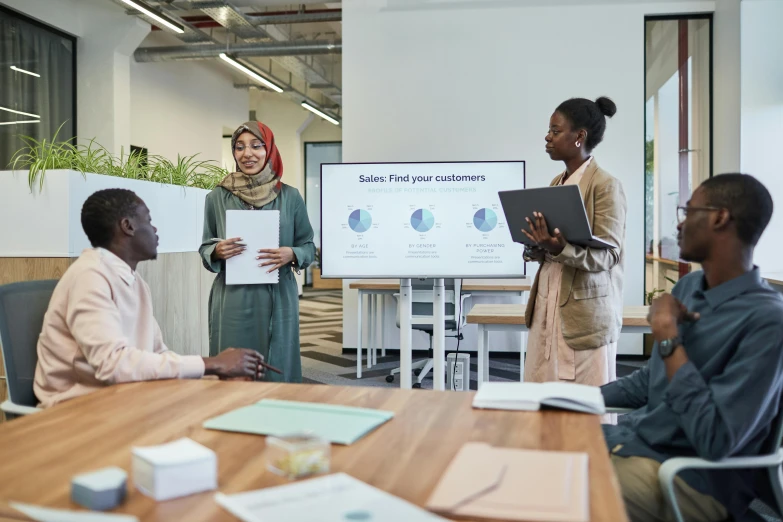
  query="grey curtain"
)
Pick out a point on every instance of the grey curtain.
point(34, 48)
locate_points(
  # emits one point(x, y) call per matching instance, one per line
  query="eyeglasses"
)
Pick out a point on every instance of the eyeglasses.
point(682, 212)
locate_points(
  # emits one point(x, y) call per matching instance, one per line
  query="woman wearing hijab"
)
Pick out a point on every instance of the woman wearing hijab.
point(575, 308)
point(262, 317)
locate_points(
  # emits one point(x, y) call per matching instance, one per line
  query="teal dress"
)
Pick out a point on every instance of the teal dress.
point(264, 318)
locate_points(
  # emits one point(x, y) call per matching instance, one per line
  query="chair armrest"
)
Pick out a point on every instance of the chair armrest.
point(672, 467)
point(18, 409)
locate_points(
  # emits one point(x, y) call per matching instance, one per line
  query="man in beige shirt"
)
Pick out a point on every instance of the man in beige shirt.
point(99, 328)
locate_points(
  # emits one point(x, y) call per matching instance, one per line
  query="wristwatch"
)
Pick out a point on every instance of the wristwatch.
point(667, 346)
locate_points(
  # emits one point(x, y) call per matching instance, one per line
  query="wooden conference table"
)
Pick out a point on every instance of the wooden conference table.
point(406, 457)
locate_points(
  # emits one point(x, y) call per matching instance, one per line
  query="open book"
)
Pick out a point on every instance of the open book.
point(528, 396)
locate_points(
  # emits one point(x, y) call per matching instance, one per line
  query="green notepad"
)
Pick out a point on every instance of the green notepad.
point(338, 424)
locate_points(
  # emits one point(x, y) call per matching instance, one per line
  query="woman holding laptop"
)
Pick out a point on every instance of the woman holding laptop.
point(574, 313)
point(263, 317)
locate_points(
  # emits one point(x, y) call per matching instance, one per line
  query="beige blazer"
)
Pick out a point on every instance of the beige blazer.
point(591, 291)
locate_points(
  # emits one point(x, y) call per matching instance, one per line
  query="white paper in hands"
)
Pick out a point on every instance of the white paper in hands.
point(258, 229)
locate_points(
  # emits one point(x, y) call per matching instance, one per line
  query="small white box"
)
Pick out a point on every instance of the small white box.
point(176, 469)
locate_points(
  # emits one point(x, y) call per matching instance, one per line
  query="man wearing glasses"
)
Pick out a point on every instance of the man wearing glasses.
point(712, 387)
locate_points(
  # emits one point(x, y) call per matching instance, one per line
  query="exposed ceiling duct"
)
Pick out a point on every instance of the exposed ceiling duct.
point(264, 35)
point(206, 51)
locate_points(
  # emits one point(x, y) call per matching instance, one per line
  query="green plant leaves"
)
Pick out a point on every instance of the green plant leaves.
point(39, 156)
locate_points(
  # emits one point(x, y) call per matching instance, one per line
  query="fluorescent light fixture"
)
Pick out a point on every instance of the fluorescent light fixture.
point(15, 122)
point(319, 113)
point(19, 112)
point(144, 8)
point(257, 77)
point(15, 68)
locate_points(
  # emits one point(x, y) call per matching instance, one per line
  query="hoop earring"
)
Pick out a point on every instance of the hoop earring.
point(578, 144)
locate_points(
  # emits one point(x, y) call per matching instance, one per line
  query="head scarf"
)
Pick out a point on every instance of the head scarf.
point(262, 188)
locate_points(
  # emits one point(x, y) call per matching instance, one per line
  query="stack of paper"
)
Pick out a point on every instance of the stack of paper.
point(337, 424)
point(333, 498)
point(513, 484)
point(525, 396)
point(176, 469)
point(258, 229)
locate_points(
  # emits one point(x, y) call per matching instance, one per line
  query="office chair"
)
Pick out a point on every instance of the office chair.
point(422, 318)
point(22, 309)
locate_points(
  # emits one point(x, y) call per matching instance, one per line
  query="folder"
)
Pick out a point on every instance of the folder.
point(485, 482)
point(338, 424)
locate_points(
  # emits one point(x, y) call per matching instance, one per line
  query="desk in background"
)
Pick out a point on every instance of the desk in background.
point(405, 457)
point(504, 318)
point(373, 288)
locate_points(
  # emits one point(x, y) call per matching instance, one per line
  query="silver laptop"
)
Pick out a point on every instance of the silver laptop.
point(563, 208)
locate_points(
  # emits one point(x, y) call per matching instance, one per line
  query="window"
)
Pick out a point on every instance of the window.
point(678, 134)
point(37, 83)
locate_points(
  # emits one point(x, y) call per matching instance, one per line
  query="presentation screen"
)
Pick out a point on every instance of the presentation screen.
point(410, 220)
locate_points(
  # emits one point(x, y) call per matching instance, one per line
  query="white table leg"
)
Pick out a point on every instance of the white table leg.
point(439, 334)
point(485, 355)
point(359, 336)
point(480, 353)
point(371, 322)
point(375, 329)
point(406, 334)
point(523, 344)
point(383, 325)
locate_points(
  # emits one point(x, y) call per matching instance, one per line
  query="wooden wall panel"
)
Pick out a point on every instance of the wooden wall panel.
point(15, 269)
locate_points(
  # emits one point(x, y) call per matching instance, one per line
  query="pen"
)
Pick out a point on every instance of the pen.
point(218, 240)
point(270, 367)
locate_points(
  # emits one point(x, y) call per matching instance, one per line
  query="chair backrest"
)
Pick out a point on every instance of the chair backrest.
point(769, 486)
point(22, 309)
point(421, 298)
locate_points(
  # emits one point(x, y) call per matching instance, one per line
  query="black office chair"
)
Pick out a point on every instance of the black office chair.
point(422, 318)
point(22, 309)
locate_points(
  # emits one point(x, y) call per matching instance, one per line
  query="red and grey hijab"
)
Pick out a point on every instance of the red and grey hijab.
point(262, 188)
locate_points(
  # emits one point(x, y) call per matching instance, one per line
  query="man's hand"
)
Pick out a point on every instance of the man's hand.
point(665, 314)
point(235, 362)
point(539, 233)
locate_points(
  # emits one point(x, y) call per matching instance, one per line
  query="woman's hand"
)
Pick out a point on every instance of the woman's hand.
point(276, 258)
point(539, 233)
point(228, 248)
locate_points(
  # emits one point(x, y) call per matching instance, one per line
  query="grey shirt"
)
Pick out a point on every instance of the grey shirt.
point(724, 401)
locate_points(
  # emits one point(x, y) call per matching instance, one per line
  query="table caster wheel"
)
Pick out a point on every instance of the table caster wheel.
point(390, 378)
point(417, 385)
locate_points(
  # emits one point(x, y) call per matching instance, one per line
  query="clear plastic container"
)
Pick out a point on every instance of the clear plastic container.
point(297, 455)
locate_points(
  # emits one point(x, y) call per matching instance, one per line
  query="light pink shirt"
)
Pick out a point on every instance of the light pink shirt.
point(99, 330)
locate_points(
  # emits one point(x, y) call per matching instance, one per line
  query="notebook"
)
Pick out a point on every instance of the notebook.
point(338, 424)
point(513, 484)
point(332, 498)
point(258, 229)
point(528, 396)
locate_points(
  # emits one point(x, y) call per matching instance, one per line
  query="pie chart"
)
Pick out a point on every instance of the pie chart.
point(485, 219)
point(360, 220)
point(422, 220)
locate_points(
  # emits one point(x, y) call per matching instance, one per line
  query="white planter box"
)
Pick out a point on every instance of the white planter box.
point(47, 223)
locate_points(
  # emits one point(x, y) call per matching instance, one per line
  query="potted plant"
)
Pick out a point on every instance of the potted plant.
point(46, 203)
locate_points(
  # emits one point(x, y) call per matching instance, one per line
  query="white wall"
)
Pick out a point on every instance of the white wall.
point(182, 108)
point(480, 84)
point(762, 114)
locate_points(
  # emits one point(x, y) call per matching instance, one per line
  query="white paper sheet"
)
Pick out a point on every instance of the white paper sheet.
point(63, 515)
point(258, 229)
point(332, 498)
